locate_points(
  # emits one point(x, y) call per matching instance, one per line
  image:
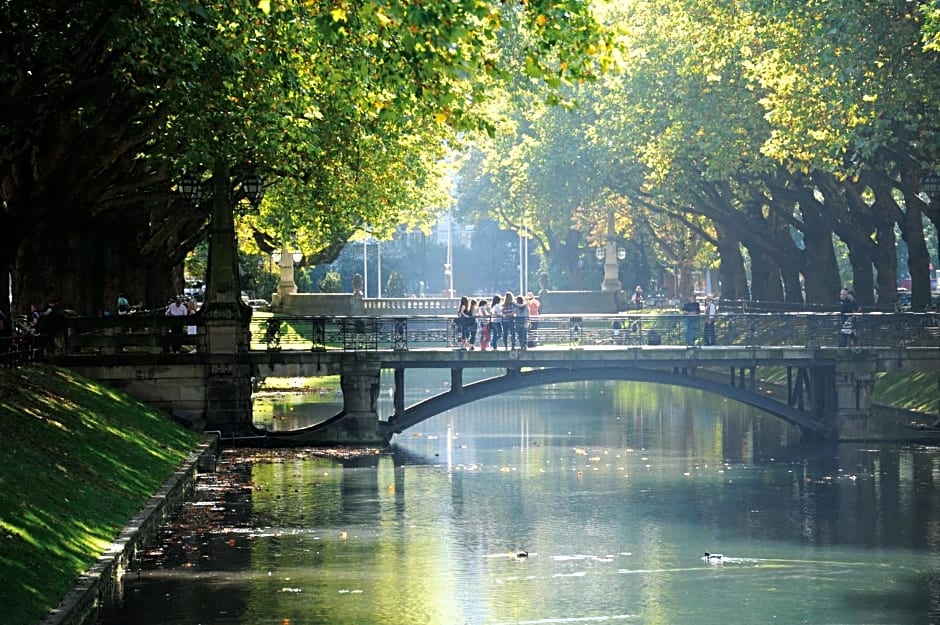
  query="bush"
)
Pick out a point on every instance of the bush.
point(396, 285)
point(332, 282)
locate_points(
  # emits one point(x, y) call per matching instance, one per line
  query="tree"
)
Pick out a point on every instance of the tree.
point(346, 108)
point(395, 287)
point(332, 282)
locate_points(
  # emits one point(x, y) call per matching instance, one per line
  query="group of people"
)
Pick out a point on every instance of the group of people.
point(508, 317)
point(692, 311)
point(181, 307)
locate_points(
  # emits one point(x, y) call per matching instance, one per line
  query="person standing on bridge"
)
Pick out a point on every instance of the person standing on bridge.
point(464, 318)
point(691, 311)
point(509, 311)
point(534, 310)
point(496, 322)
point(484, 314)
point(711, 315)
point(848, 307)
point(176, 309)
point(522, 322)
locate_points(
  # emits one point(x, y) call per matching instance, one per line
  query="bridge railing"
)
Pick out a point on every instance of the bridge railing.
point(20, 348)
point(740, 329)
point(160, 334)
point(151, 332)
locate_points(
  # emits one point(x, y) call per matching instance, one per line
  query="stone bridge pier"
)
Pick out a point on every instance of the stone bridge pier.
point(853, 383)
point(360, 420)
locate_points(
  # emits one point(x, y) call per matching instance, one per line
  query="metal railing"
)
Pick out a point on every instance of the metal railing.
point(19, 349)
point(160, 334)
point(635, 330)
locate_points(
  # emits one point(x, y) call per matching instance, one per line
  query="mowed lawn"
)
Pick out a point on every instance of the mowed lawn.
point(78, 460)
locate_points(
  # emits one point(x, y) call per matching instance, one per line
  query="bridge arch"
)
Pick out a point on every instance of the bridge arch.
point(515, 380)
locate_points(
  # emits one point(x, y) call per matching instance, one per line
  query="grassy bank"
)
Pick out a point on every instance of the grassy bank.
point(78, 460)
point(911, 390)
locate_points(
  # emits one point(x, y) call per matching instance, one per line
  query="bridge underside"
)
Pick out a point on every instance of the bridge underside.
point(459, 395)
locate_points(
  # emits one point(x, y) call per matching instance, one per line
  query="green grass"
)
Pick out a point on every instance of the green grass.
point(78, 461)
point(912, 391)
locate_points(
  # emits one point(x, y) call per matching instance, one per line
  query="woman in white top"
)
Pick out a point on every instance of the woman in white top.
point(496, 325)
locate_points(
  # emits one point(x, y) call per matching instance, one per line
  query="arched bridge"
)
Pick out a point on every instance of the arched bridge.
point(828, 388)
point(514, 380)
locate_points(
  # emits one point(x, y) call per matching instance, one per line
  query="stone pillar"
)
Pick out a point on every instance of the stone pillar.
point(285, 284)
point(360, 421)
point(226, 320)
point(611, 264)
point(854, 381)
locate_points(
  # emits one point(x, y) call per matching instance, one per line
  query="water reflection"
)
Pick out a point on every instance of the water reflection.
point(614, 489)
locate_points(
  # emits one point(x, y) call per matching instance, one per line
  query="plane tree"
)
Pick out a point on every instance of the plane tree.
point(708, 106)
point(342, 107)
point(850, 91)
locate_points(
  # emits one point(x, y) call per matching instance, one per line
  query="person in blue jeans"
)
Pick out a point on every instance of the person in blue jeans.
point(691, 311)
point(496, 323)
point(508, 329)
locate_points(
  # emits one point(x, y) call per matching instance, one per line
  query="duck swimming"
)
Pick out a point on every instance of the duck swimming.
point(520, 554)
point(713, 558)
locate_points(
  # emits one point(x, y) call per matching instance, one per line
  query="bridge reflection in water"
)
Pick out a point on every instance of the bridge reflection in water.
point(828, 387)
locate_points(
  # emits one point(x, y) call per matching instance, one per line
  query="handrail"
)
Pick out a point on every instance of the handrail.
point(152, 334)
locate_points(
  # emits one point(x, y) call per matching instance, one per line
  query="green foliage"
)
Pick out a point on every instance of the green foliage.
point(346, 109)
point(395, 287)
point(332, 282)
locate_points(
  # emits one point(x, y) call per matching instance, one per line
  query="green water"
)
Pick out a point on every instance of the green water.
point(615, 490)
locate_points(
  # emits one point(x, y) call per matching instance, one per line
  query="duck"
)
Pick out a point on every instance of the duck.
point(713, 558)
point(519, 555)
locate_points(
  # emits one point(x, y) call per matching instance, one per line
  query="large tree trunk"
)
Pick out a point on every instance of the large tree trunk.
point(765, 278)
point(792, 288)
point(918, 257)
point(886, 264)
point(863, 274)
point(733, 272)
point(83, 266)
point(820, 269)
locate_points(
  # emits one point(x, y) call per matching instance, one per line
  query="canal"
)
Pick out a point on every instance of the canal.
point(578, 503)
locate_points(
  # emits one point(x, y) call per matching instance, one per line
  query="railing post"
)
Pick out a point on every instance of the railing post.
point(751, 337)
point(400, 335)
point(812, 331)
point(318, 334)
point(575, 331)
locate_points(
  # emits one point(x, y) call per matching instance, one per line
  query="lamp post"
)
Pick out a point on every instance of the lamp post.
point(611, 254)
point(365, 269)
point(365, 266)
point(223, 287)
point(449, 264)
point(224, 317)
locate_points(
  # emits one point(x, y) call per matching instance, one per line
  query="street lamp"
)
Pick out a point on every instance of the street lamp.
point(449, 264)
point(601, 253)
point(223, 287)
